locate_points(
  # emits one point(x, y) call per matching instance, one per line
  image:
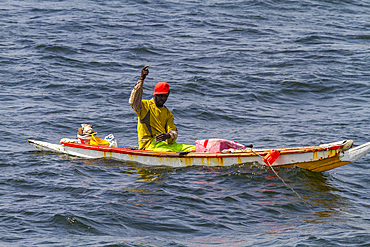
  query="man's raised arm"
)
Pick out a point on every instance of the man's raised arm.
point(137, 93)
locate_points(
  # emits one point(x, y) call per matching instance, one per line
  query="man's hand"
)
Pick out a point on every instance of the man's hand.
point(162, 137)
point(144, 72)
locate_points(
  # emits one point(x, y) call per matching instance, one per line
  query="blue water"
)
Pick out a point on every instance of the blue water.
point(272, 73)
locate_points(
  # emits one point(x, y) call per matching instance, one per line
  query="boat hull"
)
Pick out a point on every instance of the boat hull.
point(316, 158)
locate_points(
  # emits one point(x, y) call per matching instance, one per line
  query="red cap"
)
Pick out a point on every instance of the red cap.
point(161, 88)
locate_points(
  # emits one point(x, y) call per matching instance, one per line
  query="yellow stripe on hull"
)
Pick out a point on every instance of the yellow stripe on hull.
point(320, 165)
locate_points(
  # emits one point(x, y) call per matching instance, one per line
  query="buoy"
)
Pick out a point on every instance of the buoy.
point(271, 157)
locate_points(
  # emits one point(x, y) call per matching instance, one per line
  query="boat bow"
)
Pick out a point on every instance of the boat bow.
point(353, 154)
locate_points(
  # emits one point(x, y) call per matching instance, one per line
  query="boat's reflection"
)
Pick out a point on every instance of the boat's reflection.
point(142, 173)
point(315, 189)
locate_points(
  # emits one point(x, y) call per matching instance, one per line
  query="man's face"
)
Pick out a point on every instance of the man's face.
point(160, 99)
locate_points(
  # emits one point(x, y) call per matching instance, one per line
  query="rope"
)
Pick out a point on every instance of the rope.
point(305, 201)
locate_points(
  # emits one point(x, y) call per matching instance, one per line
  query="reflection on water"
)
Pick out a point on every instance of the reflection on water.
point(315, 189)
point(147, 174)
point(141, 173)
point(258, 188)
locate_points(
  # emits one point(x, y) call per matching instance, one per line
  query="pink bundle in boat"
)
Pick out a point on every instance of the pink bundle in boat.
point(216, 145)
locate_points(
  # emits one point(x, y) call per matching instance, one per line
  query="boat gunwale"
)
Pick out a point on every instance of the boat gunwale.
point(255, 152)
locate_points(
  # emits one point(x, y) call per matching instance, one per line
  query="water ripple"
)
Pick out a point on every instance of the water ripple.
point(271, 73)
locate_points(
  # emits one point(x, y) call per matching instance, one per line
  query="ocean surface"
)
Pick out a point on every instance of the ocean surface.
point(272, 73)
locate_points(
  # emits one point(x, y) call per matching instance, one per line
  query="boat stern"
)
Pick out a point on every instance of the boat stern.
point(45, 146)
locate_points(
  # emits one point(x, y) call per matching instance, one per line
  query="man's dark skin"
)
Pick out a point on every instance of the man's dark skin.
point(159, 100)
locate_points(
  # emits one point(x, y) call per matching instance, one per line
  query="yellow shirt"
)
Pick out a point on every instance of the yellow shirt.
point(152, 121)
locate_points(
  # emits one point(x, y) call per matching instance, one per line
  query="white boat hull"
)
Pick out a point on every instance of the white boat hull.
point(316, 158)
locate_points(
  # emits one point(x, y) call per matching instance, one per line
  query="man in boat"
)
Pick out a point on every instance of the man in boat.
point(156, 127)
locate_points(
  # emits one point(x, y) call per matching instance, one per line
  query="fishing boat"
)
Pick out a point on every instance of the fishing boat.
point(315, 158)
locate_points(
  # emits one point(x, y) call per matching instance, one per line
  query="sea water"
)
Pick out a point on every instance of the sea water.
point(271, 73)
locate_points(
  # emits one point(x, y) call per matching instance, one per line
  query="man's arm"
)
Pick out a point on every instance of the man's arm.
point(173, 134)
point(137, 93)
point(170, 137)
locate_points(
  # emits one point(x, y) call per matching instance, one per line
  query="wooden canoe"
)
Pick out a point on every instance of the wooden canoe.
point(315, 158)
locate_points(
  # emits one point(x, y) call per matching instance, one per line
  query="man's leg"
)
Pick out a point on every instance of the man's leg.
point(173, 147)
